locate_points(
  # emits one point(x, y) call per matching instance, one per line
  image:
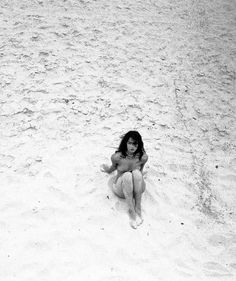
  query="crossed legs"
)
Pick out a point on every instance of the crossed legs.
point(131, 186)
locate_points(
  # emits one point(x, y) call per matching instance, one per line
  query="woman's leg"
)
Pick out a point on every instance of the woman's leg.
point(118, 188)
point(124, 186)
point(139, 187)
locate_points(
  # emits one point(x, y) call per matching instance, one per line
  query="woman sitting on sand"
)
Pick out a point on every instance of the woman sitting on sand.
point(129, 161)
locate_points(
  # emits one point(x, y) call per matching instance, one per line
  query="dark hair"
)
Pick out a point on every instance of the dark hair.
point(137, 138)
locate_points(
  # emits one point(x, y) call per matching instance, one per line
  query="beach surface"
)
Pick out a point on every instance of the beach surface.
point(75, 76)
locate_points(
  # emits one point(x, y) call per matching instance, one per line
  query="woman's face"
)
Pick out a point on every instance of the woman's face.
point(132, 146)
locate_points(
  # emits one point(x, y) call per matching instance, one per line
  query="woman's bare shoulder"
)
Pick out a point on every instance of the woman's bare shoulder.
point(116, 157)
point(144, 157)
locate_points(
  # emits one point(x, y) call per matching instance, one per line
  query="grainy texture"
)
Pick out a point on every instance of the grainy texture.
point(75, 76)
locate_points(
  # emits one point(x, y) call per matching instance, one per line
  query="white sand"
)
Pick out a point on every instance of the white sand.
point(75, 76)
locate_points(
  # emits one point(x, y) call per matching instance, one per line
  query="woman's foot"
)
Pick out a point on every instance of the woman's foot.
point(133, 223)
point(139, 220)
point(132, 219)
point(135, 219)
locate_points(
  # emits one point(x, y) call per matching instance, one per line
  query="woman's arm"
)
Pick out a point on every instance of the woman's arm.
point(143, 161)
point(109, 169)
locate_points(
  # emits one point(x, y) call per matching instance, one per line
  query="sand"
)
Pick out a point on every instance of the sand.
point(75, 76)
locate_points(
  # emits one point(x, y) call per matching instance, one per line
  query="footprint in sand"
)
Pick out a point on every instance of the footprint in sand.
point(215, 269)
point(173, 167)
point(178, 168)
point(233, 265)
point(60, 195)
point(37, 245)
point(183, 268)
point(217, 240)
point(220, 240)
point(6, 160)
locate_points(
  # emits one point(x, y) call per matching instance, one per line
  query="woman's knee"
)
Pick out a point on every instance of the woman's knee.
point(137, 175)
point(139, 184)
point(127, 178)
point(127, 184)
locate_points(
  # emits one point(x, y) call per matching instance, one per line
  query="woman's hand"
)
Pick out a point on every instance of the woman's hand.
point(105, 168)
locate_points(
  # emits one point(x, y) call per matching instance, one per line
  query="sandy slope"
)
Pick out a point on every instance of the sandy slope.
point(75, 76)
